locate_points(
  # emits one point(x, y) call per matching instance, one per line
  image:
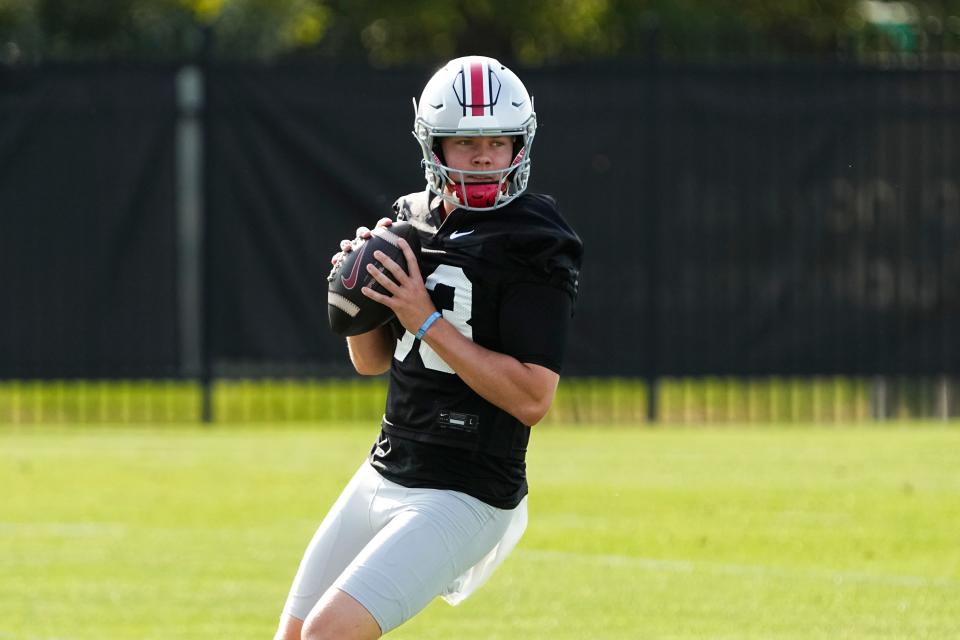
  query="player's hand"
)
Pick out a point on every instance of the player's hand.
point(408, 296)
point(363, 233)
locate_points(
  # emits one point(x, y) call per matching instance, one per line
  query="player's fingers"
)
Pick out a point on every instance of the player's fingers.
point(377, 297)
point(391, 266)
point(346, 246)
point(382, 278)
point(384, 222)
point(335, 257)
point(412, 267)
point(363, 232)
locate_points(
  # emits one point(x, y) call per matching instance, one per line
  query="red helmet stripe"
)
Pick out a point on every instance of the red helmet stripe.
point(476, 88)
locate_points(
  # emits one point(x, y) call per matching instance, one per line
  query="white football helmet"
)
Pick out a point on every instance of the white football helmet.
point(475, 96)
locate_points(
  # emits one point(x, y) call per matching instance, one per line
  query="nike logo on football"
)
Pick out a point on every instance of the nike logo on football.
point(351, 281)
point(517, 104)
point(460, 234)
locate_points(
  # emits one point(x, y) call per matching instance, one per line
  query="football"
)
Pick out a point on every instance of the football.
point(349, 311)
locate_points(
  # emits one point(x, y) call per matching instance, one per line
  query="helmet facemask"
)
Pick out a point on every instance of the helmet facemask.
point(476, 190)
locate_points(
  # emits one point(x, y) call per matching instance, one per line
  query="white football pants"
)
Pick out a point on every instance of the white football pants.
point(394, 549)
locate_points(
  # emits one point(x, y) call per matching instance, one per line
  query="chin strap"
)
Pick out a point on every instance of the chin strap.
point(479, 194)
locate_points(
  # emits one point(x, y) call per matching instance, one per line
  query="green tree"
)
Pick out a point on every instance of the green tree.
point(387, 32)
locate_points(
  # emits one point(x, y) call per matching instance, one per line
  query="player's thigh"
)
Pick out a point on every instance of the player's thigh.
point(422, 550)
point(343, 534)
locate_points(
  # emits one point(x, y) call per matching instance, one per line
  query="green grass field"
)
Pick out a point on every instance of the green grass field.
point(780, 532)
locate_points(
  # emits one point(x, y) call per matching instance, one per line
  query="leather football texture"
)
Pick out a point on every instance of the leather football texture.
point(349, 311)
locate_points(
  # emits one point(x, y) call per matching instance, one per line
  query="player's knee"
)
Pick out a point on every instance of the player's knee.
point(312, 630)
point(289, 629)
point(320, 629)
point(339, 622)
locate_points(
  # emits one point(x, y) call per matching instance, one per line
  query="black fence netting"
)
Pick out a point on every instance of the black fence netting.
point(87, 225)
point(297, 159)
point(738, 220)
point(807, 221)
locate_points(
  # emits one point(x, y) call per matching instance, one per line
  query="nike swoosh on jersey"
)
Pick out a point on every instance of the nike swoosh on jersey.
point(460, 234)
point(351, 281)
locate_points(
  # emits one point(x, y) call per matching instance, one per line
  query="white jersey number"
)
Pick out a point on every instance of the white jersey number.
point(459, 316)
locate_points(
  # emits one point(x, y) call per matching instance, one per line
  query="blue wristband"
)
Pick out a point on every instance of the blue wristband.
point(427, 323)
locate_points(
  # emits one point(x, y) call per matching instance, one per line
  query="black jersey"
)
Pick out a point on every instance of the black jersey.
point(507, 279)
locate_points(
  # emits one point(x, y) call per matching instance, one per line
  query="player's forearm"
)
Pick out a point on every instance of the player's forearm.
point(524, 391)
point(371, 352)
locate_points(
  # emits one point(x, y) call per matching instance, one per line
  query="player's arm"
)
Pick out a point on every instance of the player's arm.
point(523, 390)
point(371, 352)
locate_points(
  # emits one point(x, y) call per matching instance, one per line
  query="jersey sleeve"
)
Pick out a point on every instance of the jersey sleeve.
point(534, 319)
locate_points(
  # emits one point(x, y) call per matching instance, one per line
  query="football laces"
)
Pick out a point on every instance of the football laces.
point(356, 242)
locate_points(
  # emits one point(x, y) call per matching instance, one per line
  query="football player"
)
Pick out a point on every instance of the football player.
point(474, 357)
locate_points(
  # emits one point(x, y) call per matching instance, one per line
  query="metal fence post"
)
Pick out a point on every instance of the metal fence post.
point(651, 256)
point(190, 230)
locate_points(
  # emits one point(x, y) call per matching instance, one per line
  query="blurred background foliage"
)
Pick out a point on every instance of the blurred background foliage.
point(531, 32)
